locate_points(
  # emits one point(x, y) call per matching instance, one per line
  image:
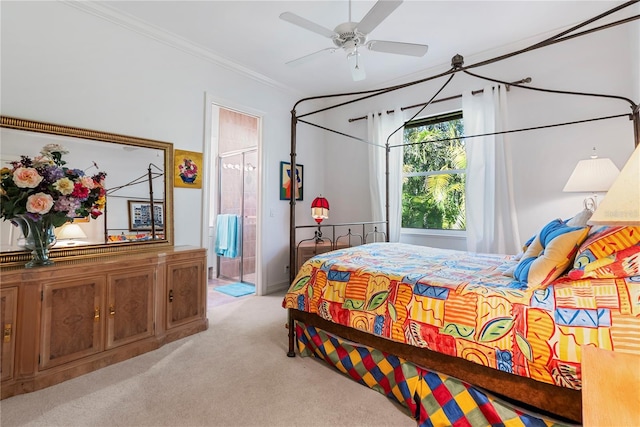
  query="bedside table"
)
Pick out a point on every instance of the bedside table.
point(309, 249)
point(610, 394)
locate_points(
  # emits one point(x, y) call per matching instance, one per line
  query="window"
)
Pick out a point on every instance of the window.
point(434, 173)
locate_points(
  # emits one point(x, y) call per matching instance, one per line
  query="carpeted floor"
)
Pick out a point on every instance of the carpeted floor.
point(234, 374)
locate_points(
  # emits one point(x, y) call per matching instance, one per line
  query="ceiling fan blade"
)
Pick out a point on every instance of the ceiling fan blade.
point(306, 24)
point(376, 15)
point(411, 49)
point(307, 58)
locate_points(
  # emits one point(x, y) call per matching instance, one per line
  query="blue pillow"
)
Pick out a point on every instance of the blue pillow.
point(550, 253)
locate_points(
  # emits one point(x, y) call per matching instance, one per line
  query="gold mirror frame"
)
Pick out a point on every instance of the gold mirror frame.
point(21, 257)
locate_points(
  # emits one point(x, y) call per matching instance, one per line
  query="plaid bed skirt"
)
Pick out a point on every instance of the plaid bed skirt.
point(433, 399)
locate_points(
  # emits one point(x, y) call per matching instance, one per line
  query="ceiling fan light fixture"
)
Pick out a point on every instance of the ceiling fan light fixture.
point(357, 71)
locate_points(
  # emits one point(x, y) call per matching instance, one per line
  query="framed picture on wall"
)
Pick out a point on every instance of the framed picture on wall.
point(187, 169)
point(140, 215)
point(285, 181)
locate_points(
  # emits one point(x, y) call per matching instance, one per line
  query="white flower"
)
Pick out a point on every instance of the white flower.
point(48, 149)
point(42, 161)
point(64, 186)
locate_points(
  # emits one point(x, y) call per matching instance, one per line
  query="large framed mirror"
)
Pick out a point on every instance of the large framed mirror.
point(139, 179)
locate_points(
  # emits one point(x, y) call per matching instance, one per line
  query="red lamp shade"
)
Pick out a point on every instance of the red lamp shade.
point(320, 209)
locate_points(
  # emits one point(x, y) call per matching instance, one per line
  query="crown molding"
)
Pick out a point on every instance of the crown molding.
point(173, 40)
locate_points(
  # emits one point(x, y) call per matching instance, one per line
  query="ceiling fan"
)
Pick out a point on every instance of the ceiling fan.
point(352, 36)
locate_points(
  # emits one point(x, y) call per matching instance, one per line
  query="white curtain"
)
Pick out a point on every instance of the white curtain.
point(491, 220)
point(379, 127)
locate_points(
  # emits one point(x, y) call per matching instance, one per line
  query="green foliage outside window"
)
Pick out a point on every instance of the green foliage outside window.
point(433, 193)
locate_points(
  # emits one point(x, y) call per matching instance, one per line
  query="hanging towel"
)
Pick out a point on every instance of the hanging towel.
point(228, 235)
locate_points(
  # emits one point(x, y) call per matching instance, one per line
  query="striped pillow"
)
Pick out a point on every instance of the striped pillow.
point(605, 241)
point(624, 263)
point(609, 252)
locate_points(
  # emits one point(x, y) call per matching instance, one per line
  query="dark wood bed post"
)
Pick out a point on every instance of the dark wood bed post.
point(292, 229)
point(635, 116)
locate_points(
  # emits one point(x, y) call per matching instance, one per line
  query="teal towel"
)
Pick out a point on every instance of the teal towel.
point(228, 235)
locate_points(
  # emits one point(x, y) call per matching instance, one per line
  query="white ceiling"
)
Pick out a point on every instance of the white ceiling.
point(251, 35)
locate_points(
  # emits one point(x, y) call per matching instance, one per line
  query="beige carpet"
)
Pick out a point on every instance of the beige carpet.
point(234, 374)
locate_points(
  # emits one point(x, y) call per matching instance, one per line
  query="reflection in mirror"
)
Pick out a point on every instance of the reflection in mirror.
point(139, 174)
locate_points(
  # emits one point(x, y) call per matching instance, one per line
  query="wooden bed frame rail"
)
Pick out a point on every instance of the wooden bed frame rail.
point(557, 401)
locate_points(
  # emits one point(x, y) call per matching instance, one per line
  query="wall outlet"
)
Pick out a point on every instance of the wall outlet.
point(286, 269)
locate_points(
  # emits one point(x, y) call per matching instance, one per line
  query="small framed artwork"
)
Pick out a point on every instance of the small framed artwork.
point(285, 181)
point(140, 215)
point(187, 169)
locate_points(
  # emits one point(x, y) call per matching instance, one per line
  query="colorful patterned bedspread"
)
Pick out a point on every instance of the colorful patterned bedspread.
point(460, 304)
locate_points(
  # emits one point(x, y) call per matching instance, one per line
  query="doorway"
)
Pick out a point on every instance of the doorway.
point(238, 197)
point(236, 194)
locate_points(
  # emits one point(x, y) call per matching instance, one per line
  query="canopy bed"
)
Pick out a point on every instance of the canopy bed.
point(406, 319)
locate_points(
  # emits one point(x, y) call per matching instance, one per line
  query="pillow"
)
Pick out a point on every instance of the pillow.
point(550, 253)
point(624, 263)
point(518, 256)
point(580, 220)
point(509, 271)
point(605, 241)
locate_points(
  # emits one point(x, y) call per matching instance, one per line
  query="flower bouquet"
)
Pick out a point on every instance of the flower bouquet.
point(188, 171)
point(40, 194)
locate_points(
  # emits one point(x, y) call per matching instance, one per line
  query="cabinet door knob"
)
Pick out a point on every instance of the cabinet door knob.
point(112, 310)
point(6, 334)
point(171, 295)
point(96, 314)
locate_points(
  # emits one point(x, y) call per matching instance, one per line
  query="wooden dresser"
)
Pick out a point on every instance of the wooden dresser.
point(76, 316)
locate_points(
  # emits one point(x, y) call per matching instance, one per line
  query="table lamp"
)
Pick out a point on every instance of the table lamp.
point(68, 232)
point(319, 212)
point(593, 175)
point(621, 206)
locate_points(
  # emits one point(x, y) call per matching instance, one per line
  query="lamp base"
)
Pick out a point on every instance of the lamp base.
point(591, 203)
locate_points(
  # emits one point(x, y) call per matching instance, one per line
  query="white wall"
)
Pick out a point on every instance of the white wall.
point(603, 62)
point(63, 65)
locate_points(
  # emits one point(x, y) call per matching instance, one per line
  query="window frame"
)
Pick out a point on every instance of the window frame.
point(426, 121)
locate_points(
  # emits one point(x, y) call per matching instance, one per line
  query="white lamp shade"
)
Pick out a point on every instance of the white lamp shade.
point(70, 231)
point(621, 205)
point(592, 176)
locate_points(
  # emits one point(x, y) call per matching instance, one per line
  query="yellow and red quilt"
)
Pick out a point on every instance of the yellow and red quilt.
point(461, 304)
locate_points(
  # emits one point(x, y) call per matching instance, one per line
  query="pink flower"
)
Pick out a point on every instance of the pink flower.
point(26, 177)
point(39, 203)
point(88, 182)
